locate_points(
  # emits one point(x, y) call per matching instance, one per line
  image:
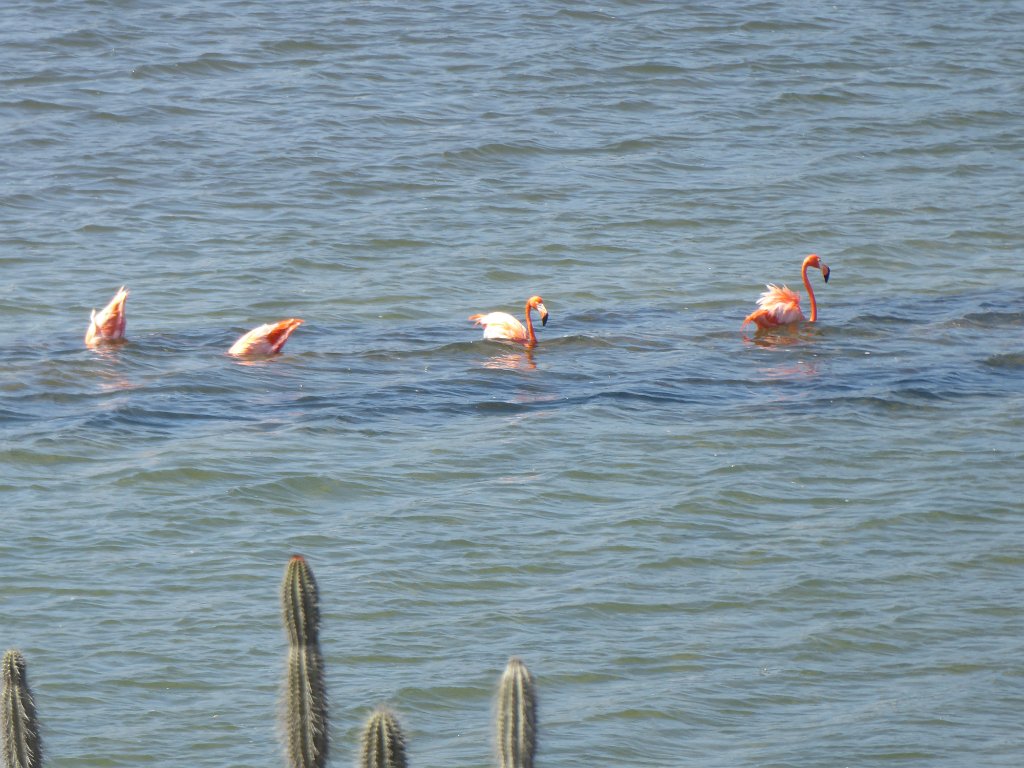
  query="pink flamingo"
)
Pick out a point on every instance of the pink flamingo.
point(781, 306)
point(108, 324)
point(266, 339)
point(502, 326)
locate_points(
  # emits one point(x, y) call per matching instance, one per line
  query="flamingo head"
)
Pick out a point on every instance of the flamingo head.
point(815, 261)
point(536, 302)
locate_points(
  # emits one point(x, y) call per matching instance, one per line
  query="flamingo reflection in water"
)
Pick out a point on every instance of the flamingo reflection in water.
point(512, 361)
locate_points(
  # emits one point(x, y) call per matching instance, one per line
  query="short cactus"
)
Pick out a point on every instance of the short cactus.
point(383, 742)
point(517, 716)
point(21, 744)
point(305, 694)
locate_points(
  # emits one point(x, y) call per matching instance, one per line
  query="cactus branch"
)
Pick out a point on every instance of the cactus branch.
point(383, 742)
point(21, 744)
point(300, 603)
point(517, 716)
point(305, 694)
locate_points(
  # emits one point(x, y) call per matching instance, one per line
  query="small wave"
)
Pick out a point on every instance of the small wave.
point(203, 65)
point(494, 150)
point(138, 419)
point(1010, 361)
point(990, 320)
point(655, 68)
point(578, 15)
point(37, 106)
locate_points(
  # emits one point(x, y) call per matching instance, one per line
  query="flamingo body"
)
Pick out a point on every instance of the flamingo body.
point(109, 323)
point(501, 326)
point(776, 306)
point(266, 339)
point(781, 305)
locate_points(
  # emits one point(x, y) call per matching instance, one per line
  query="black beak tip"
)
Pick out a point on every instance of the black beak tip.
point(544, 320)
point(827, 275)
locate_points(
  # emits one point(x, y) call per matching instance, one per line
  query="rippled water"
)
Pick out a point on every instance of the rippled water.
point(711, 547)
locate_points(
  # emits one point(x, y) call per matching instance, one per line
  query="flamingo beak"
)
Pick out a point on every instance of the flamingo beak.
point(825, 272)
point(543, 314)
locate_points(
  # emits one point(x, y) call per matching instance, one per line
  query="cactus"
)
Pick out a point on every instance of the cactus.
point(300, 603)
point(383, 743)
point(305, 694)
point(517, 716)
point(21, 745)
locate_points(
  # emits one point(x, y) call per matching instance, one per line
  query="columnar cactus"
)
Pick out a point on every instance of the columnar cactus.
point(300, 603)
point(305, 694)
point(517, 716)
point(383, 743)
point(21, 745)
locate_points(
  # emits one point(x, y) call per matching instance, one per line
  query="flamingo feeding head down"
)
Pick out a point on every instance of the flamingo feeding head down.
point(781, 306)
point(502, 326)
point(108, 324)
point(266, 339)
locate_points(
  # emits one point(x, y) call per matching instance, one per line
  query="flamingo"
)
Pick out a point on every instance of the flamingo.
point(266, 339)
point(781, 306)
point(502, 326)
point(108, 324)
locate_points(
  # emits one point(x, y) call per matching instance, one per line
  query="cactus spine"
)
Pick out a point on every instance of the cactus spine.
point(305, 695)
point(21, 745)
point(383, 742)
point(517, 716)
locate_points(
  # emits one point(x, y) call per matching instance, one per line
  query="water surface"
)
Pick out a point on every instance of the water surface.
point(711, 547)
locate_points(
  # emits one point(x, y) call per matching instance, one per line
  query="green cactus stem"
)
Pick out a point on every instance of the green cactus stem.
point(21, 744)
point(517, 716)
point(300, 603)
point(305, 695)
point(383, 742)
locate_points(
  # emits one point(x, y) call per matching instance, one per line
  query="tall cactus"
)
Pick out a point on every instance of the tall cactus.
point(517, 716)
point(21, 744)
point(305, 694)
point(383, 742)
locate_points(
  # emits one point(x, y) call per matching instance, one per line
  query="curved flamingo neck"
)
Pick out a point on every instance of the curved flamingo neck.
point(810, 292)
point(531, 340)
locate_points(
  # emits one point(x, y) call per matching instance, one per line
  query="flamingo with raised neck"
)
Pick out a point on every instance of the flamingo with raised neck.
point(501, 326)
point(781, 306)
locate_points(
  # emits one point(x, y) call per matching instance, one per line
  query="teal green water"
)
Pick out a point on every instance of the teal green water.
point(710, 547)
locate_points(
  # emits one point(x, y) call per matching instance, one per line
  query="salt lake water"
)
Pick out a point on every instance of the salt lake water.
point(711, 547)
